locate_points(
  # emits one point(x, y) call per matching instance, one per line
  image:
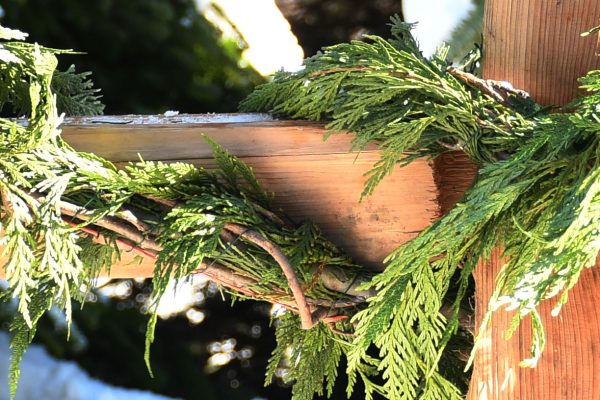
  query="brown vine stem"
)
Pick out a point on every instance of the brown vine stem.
point(306, 318)
point(161, 201)
point(269, 214)
point(129, 216)
point(136, 238)
point(500, 91)
point(222, 275)
point(111, 224)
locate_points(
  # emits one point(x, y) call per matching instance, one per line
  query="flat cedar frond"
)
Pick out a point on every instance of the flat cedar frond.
point(75, 93)
point(64, 216)
point(536, 194)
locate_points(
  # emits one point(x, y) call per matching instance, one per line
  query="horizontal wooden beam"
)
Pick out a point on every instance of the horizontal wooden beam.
point(312, 179)
point(126, 138)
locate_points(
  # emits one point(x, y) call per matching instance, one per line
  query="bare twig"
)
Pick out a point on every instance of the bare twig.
point(134, 238)
point(161, 201)
point(287, 268)
point(8, 208)
point(224, 276)
point(128, 215)
point(497, 90)
point(111, 224)
point(348, 282)
point(452, 147)
point(269, 214)
point(339, 332)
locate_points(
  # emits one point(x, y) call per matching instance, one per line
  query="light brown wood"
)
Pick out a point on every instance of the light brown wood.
point(326, 189)
point(312, 179)
point(536, 45)
point(126, 138)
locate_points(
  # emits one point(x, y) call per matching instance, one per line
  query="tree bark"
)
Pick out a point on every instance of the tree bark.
point(536, 45)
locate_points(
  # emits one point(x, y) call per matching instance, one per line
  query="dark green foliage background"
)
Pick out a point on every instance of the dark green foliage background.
point(147, 56)
point(113, 347)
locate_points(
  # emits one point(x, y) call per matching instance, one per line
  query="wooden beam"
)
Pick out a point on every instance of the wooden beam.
point(312, 179)
point(535, 44)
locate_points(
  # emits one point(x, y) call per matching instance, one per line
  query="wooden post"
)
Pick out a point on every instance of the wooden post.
point(535, 44)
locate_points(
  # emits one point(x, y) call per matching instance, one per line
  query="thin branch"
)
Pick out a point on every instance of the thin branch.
point(128, 215)
point(6, 202)
point(269, 214)
point(134, 240)
point(340, 332)
point(348, 282)
point(287, 268)
point(500, 91)
point(161, 201)
point(452, 147)
point(224, 276)
point(111, 224)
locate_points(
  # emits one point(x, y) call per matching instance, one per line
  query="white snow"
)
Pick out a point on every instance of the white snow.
point(45, 378)
point(170, 119)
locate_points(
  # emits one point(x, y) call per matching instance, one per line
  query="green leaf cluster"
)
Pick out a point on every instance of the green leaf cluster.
point(536, 194)
point(64, 214)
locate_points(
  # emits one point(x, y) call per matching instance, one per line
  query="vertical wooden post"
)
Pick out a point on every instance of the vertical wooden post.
point(535, 44)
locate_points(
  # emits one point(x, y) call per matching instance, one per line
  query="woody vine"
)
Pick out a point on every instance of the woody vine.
point(67, 215)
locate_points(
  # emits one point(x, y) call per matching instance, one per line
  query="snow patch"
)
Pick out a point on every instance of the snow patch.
point(43, 377)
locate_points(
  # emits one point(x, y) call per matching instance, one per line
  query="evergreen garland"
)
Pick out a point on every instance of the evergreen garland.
point(65, 215)
point(537, 193)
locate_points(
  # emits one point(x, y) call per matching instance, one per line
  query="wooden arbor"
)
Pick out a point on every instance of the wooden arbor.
point(536, 45)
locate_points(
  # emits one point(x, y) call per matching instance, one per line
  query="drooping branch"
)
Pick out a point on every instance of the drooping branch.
point(111, 223)
point(286, 267)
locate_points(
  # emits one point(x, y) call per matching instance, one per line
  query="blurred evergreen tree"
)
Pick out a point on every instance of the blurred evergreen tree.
point(322, 23)
point(468, 33)
point(146, 56)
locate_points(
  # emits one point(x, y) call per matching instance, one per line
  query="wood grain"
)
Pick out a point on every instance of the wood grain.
point(312, 179)
point(536, 45)
point(126, 138)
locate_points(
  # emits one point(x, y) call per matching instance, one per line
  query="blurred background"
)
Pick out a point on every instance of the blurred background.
point(193, 56)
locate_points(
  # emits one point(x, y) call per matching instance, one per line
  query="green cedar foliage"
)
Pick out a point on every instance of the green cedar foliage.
point(537, 194)
point(75, 93)
point(62, 214)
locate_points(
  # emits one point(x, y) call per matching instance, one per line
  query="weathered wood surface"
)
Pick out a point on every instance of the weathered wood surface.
point(536, 45)
point(312, 179)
